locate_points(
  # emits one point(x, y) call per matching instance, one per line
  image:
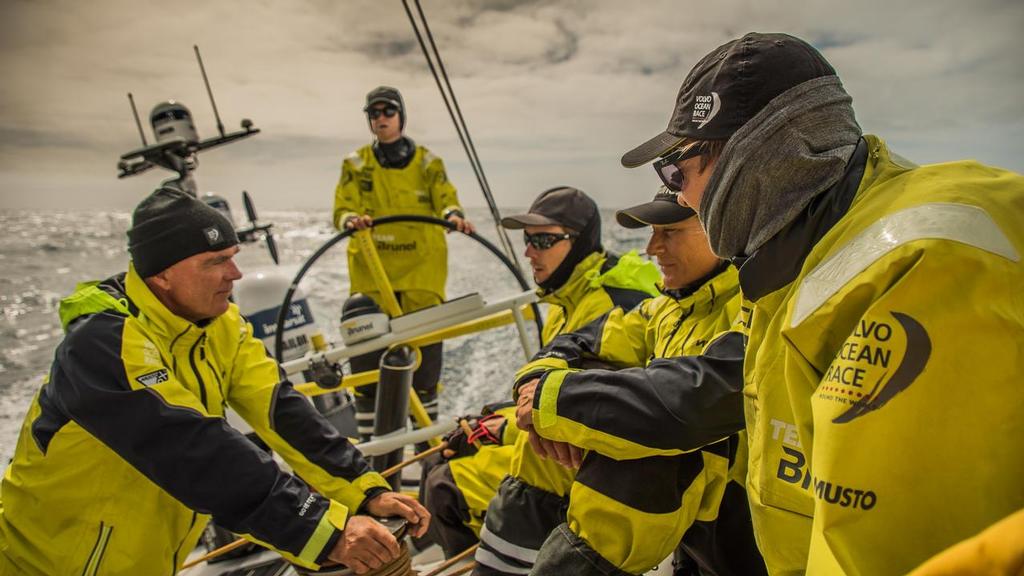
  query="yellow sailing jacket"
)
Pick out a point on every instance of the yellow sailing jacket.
point(612, 412)
point(633, 523)
point(414, 255)
point(599, 283)
point(883, 372)
point(125, 453)
point(998, 550)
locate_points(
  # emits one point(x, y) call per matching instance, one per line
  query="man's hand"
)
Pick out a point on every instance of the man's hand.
point(565, 454)
point(473, 431)
point(461, 224)
point(524, 405)
point(359, 222)
point(365, 544)
point(395, 504)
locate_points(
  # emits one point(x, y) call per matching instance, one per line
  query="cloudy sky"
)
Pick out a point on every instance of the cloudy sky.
point(553, 91)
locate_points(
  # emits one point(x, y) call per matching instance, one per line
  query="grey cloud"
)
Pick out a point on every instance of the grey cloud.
point(564, 47)
point(828, 39)
point(553, 90)
point(12, 137)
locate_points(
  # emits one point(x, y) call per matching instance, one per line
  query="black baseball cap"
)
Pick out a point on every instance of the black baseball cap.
point(383, 95)
point(730, 86)
point(560, 206)
point(663, 210)
point(390, 96)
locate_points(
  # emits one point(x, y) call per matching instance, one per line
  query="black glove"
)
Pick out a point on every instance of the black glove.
point(473, 432)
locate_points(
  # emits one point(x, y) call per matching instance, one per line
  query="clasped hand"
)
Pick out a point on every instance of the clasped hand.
point(564, 453)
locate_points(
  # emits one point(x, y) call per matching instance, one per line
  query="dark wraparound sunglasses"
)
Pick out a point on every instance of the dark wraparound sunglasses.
point(667, 166)
point(545, 240)
point(375, 113)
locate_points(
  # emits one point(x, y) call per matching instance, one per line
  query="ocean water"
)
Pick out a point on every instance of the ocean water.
point(45, 254)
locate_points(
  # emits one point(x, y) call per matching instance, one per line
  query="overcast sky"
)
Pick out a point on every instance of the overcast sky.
point(554, 91)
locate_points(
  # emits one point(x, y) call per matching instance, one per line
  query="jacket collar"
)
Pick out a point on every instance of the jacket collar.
point(567, 294)
point(695, 286)
point(156, 316)
point(779, 261)
point(719, 283)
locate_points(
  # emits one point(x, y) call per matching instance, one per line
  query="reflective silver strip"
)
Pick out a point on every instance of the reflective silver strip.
point(507, 548)
point(365, 422)
point(488, 558)
point(962, 223)
point(356, 160)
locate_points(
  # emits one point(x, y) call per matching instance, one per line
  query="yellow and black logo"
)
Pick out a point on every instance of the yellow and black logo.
point(877, 362)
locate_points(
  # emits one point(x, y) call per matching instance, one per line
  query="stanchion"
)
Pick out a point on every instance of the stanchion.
point(397, 367)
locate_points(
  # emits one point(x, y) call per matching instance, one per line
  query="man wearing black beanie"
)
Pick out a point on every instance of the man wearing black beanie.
point(125, 453)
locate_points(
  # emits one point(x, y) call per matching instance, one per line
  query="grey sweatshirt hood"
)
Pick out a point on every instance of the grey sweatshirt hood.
point(771, 168)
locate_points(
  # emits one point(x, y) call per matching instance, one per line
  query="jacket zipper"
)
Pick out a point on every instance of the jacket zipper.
point(565, 317)
point(174, 561)
point(195, 370)
point(216, 376)
point(98, 549)
point(174, 359)
point(675, 329)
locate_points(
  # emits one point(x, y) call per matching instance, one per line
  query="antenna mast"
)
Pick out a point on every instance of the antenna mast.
point(135, 113)
point(220, 125)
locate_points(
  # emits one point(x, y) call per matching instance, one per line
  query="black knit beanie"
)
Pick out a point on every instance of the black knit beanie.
point(171, 225)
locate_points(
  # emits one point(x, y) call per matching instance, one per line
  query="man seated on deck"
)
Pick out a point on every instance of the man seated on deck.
point(125, 453)
point(628, 508)
point(883, 306)
point(579, 281)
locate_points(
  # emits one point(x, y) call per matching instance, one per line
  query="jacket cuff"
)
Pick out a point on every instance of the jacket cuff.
point(369, 485)
point(324, 537)
point(340, 224)
point(523, 380)
point(370, 495)
point(457, 210)
point(331, 543)
point(545, 398)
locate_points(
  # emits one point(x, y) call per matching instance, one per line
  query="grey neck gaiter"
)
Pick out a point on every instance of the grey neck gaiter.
point(771, 168)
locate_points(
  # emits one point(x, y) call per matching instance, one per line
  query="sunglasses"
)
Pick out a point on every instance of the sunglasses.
point(545, 240)
point(375, 113)
point(667, 166)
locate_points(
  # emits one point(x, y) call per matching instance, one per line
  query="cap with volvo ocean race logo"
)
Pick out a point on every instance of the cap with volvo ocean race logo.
point(730, 86)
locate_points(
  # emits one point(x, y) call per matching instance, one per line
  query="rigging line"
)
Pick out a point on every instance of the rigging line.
point(451, 92)
point(444, 95)
point(458, 110)
point(459, 129)
point(473, 160)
